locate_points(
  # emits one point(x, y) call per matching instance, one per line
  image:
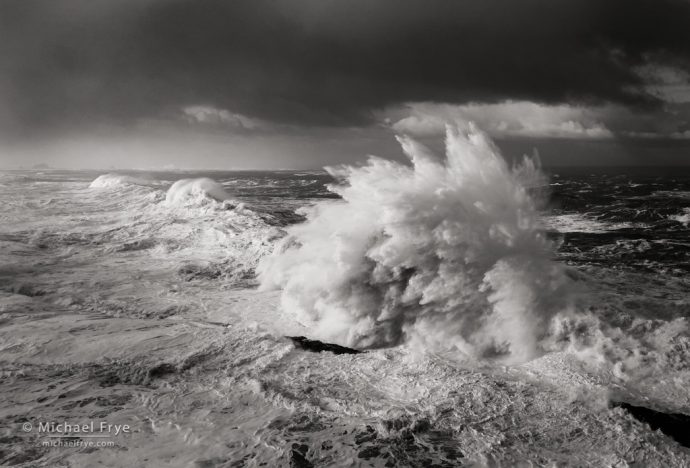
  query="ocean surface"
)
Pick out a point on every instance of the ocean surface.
point(509, 317)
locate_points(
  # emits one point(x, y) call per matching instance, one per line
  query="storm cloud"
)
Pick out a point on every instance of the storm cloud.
point(65, 64)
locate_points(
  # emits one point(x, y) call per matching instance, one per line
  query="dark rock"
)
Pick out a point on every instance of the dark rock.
point(317, 346)
point(674, 425)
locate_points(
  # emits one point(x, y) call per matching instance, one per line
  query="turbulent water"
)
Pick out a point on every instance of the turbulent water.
point(508, 317)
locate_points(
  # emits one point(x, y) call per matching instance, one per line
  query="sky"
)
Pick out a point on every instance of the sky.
point(242, 84)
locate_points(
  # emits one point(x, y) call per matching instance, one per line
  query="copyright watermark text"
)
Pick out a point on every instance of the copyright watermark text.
point(76, 434)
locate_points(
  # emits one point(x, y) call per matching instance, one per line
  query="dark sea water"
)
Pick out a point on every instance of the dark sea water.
point(643, 216)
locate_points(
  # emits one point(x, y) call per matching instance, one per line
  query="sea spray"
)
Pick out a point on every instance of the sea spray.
point(445, 255)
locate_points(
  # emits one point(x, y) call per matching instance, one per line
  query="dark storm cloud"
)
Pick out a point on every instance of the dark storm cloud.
point(75, 62)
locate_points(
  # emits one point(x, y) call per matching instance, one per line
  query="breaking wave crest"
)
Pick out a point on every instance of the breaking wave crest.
point(446, 255)
point(195, 224)
point(117, 180)
point(195, 191)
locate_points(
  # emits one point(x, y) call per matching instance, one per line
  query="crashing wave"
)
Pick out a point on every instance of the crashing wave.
point(117, 180)
point(444, 255)
point(195, 219)
point(195, 190)
point(225, 238)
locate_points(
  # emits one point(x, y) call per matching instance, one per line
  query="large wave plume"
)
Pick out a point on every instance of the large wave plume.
point(442, 254)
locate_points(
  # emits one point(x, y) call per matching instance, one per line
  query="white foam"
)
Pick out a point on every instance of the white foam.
point(577, 222)
point(682, 218)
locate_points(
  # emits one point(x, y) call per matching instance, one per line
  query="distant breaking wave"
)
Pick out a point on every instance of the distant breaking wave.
point(186, 190)
point(195, 220)
point(117, 180)
point(443, 255)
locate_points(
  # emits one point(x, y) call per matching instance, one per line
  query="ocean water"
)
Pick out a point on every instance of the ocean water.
point(509, 316)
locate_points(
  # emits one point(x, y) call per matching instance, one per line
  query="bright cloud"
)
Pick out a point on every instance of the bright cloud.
point(221, 117)
point(507, 119)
